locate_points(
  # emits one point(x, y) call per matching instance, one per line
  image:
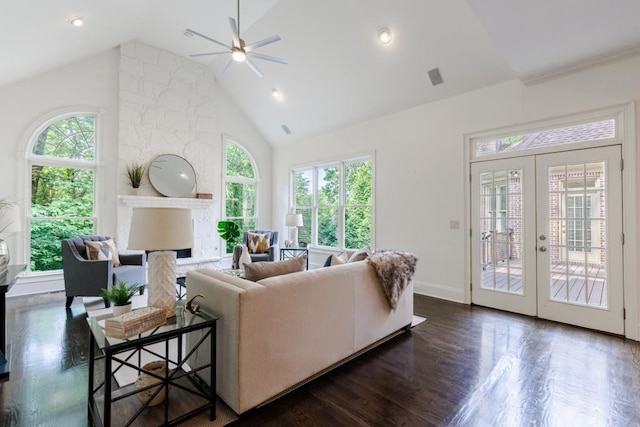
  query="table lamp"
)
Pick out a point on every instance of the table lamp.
point(9, 224)
point(163, 231)
point(294, 220)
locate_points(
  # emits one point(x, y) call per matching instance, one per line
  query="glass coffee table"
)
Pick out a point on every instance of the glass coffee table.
point(185, 395)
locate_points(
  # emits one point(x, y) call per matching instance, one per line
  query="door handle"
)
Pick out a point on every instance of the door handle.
point(543, 249)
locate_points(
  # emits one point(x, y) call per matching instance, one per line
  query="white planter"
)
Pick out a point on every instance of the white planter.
point(121, 309)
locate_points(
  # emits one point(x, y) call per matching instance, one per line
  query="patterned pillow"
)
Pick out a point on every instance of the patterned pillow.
point(360, 254)
point(103, 250)
point(258, 243)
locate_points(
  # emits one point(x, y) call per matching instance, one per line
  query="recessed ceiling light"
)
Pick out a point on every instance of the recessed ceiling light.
point(187, 33)
point(76, 21)
point(384, 35)
point(276, 94)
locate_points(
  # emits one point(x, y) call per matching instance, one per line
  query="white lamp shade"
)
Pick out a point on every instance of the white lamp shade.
point(10, 220)
point(294, 220)
point(161, 229)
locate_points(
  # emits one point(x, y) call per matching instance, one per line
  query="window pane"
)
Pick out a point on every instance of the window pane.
point(71, 138)
point(568, 135)
point(358, 183)
point(57, 192)
point(328, 227)
point(238, 162)
point(304, 188)
point(304, 232)
point(46, 253)
point(328, 186)
point(357, 232)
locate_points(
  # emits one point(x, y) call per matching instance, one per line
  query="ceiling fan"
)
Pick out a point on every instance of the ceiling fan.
point(240, 52)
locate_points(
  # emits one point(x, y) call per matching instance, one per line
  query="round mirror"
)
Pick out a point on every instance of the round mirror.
point(172, 175)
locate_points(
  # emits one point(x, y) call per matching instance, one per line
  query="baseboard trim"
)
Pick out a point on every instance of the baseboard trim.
point(438, 291)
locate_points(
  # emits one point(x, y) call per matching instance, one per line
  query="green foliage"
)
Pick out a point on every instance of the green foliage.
point(135, 172)
point(512, 139)
point(238, 162)
point(62, 198)
point(357, 204)
point(121, 294)
point(228, 230)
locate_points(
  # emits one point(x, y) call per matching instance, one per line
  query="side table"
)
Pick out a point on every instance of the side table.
point(185, 395)
point(291, 252)
point(7, 280)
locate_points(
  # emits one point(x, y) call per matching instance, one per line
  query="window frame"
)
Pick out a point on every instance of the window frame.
point(239, 180)
point(61, 162)
point(342, 206)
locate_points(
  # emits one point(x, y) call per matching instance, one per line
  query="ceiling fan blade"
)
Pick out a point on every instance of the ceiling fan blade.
point(262, 42)
point(226, 67)
point(195, 55)
point(267, 57)
point(253, 67)
point(234, 32)
point(208, 38)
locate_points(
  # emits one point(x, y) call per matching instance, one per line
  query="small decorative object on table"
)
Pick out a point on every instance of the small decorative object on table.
point(157, 367)
point(135, 322)
point(120, 296)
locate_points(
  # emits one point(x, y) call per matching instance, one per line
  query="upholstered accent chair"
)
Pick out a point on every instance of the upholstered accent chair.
point(270, 255)
point(84, 277)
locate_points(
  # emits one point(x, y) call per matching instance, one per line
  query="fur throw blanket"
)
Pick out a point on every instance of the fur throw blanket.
point(395, 270)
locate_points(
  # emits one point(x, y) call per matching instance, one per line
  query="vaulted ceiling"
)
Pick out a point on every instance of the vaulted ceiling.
point(338, 73)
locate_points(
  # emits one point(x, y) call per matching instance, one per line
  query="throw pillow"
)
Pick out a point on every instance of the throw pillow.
point(258, 243)
point(261, 270)
point(327, 262)
point(360, 254)
point(103, 250)
point(341, 258)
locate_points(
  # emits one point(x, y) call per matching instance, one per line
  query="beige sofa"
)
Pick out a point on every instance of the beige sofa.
point(275, 333)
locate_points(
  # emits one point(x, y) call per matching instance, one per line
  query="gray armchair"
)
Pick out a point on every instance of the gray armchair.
point(85, 278)
point(270, 255)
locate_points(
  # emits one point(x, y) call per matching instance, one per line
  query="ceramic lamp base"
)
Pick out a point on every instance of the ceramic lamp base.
point(162, 281)
point(4, 256)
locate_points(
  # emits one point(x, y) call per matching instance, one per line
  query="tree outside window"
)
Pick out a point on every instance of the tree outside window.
point(336, 202)
point(241, 185)
point(62, 188)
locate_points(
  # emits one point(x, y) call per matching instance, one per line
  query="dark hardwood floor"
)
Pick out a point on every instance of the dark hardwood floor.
point(465, 366)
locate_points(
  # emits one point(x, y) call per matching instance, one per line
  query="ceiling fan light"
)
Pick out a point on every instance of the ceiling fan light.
point(238, 55)
point(384, 35)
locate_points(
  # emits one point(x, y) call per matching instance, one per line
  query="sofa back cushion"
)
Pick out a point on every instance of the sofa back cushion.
point(261, 270)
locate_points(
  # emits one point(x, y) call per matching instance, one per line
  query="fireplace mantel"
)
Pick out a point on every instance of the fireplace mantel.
point(165, 202)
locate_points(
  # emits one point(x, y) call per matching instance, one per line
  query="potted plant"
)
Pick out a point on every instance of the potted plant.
point(120, 296)
point(229, 232)
point(135, 172)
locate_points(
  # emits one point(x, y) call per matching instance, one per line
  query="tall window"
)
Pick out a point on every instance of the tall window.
point(241, 189)
point(63, 167)
point(336, 203)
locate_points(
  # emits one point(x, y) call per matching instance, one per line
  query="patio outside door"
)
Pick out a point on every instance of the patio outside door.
point(549, 237)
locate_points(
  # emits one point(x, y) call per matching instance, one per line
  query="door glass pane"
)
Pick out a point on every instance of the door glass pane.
point(501, 237)
point(577, 234)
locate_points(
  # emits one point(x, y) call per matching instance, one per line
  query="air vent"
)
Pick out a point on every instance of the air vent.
point(435, 76)
point(286, 129)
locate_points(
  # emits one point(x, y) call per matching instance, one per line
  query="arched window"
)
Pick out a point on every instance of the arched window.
point(241, 189)
point(62, 164)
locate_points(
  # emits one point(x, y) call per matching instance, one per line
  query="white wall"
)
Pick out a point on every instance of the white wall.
point(420, 182)
point(94, 83)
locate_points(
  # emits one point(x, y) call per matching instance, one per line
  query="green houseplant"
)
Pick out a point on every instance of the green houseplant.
point(230, 233)
point(120, 296)
point(135, 172)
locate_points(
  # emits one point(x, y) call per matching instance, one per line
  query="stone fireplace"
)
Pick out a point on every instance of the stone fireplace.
point(203, 252)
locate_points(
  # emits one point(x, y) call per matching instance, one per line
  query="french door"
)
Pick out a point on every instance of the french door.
point(547, 236)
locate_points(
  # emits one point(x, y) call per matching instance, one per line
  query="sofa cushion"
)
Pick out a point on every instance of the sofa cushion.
point(103, 250)
point(261, 270)
point(258, 243)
